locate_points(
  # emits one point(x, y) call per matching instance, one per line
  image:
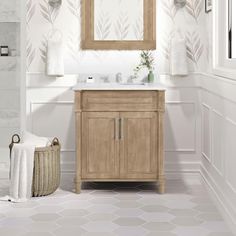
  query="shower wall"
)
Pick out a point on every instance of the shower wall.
point(9, 78)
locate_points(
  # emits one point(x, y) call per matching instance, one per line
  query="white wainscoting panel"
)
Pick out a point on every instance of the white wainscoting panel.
point(218, 141)
point(54, 119)
point(230, 154)
point(180, 126)
point(218, 97)
point(206, 132)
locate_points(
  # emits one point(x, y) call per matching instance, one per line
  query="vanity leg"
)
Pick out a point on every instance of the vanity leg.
point(161, 187)
point(78, 187)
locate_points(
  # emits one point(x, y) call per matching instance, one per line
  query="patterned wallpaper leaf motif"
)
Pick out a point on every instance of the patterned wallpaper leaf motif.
point(73, 44)
point(30, 11)
point(138, 31)
point(169, 8)
point(30, 54)
point(166, 44)
point(43, 49)
point(194, 46)
point(194, 8)
point(48, 13)
point(103, 26)
point(74, 7)
point(122, 26)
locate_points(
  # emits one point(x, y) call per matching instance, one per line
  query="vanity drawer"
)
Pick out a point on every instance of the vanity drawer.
point(119, 100)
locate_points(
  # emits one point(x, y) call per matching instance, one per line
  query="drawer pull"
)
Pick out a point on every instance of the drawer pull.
point(121, 131)
point(117, 136)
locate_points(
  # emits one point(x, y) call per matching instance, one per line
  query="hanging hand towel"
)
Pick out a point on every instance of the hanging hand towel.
point(55, 60)
point(178, 55)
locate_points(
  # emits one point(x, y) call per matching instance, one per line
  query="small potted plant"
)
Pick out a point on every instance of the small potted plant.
point(147, 61)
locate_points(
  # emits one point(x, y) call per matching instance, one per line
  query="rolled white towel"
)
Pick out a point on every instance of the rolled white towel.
point(178, 60)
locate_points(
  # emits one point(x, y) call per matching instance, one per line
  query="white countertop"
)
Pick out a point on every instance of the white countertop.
point(117, 86)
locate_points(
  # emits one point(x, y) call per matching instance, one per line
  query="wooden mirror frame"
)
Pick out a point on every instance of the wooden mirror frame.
point(87, 31)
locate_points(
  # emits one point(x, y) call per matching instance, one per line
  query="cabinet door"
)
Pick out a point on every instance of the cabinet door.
point(138, 145)
point(100, 145)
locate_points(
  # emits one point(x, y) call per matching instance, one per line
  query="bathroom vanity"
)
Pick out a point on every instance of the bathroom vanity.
point(119, 133)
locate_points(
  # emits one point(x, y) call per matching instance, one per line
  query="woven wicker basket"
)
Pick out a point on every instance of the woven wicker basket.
point(46, 175)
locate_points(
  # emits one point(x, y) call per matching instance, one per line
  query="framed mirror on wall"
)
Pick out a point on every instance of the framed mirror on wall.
point(118, 24)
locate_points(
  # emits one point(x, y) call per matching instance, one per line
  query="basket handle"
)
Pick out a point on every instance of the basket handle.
point(15, 139)
point(55, 142)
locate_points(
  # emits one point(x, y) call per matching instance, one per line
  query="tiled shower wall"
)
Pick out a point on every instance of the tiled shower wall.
point(9, 78)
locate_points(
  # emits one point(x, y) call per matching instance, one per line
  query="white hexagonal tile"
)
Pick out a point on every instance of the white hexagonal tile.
point(206, 208)
point(193, 231)
point(128, 204)
point(100, 226)
point(129, 221)
point(38, 234)
point(186, 221)
point(130, 231)
point(76, 204)
point(157, 216)
point(48, 209)
point(72, 221)
point(101, 217)
point(12, 231)
point(45, 217)
point(74, 212)
point(99, 234)
point(159, 226)
point(154, 208)
point(162, 234)
point(104, 200)
point(128, 197)
point(102, 208)
point(216, 226)
point(129, 212)
point(70, 231)
point(41, 227)
point(210, 217)
point(183, 212)
point(15, 221)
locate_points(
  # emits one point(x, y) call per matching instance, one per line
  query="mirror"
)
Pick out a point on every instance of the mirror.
point(118, 24)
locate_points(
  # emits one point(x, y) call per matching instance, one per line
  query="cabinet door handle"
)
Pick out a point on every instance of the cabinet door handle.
point(117, 129)
point(121, 131)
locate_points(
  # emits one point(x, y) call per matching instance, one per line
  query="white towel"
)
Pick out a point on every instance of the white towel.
point(22, 164)
point(55, 60)
point(178, 55)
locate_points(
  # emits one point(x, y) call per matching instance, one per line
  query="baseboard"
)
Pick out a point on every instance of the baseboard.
point(219, 200)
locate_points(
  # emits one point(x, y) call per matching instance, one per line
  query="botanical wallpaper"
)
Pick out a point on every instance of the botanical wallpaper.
point(118, 20)
point(42, 19)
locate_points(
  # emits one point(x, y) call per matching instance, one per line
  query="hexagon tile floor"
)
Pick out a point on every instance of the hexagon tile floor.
point(109, 209)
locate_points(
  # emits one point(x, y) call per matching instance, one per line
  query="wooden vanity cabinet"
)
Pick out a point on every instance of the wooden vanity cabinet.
point(119, 136)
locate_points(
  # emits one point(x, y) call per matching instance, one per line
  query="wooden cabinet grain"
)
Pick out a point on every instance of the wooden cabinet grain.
point(119, 136)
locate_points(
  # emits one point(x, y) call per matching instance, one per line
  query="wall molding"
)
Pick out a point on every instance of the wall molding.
point(186, 150)
point(219, 198)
